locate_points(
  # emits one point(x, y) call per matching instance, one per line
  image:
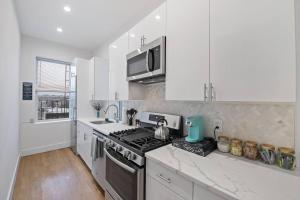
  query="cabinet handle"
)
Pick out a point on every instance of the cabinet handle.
point(168, 180)
point(116, 96)
point(205, 93)
point(212, 93)
point(143, 38)
point(141, 41)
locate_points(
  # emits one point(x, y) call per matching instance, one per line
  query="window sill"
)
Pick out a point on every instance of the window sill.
point(52, 121)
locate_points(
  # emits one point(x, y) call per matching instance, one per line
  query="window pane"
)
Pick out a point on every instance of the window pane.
point(53, 76)
point(53, 105)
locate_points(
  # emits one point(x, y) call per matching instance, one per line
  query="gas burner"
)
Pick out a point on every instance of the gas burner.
point(133, 143)
point(148, 143)
point(123, 133)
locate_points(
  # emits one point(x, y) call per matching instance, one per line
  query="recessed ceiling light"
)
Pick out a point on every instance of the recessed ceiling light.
point(114, 46)
point(67, 8)
point(59, 29)
point(157, 17)
point(132, 35)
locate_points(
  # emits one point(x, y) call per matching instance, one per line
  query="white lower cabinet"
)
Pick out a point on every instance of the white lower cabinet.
point(84, 142)
point(168, 182)
point(165, 184)
point(155, 191)
point(201, 194)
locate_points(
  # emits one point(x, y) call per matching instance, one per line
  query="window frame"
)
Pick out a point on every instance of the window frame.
point(37, 60)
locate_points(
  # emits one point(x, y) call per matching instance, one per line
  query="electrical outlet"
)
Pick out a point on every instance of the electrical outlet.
point(219, 123)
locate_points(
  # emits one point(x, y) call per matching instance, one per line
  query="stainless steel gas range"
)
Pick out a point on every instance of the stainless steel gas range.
point(125, 155)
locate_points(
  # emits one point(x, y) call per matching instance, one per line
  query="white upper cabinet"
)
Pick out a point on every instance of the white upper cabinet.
point(91, 80)
point(84, 93)
point(101, 71)
point(252, 50)
point(118, 85)
point(187, 49)
point(150, 28)
point(98, 79)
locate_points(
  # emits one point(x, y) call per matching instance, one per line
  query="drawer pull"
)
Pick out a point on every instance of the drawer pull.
point(168, 180)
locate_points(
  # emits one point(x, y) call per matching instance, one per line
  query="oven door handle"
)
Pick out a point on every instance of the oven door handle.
point(127, 168)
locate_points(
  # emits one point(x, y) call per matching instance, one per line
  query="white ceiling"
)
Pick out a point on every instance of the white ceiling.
point(90, 23)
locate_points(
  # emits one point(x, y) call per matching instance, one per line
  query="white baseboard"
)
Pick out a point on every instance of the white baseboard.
point(41, 149)
point(13, 180)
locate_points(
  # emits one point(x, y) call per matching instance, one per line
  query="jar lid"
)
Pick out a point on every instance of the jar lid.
point(286, 150)
point(236, 141)
point(222, 137)
point(268, 147)
point(250, 143)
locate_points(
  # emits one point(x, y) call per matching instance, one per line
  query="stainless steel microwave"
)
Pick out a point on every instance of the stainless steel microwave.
point(148, 64)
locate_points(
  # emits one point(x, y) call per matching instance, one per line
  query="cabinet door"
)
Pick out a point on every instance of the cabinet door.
point(118, 85)
point(101, 78)
point(253, 50)
point(201, 194)
point(156, 190)
point(135, 35)
point(80, 139)
point(154, 25)
point(84, 108)
point(87, 143)
point(92, 79)
point(151, 27)
point(187, 49)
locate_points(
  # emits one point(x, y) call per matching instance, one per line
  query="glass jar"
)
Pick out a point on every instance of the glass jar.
point(223, 144)
point(267, 153)
point(236, 147)
point(286, 158)
point(250, 150)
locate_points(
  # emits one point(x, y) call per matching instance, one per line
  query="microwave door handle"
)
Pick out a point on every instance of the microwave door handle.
point(150, 55)
point(120, 164)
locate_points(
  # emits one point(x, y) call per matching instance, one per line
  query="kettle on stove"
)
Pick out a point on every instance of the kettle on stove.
point(161, 132)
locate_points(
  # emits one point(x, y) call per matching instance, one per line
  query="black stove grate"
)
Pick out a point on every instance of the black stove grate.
point(140, 139)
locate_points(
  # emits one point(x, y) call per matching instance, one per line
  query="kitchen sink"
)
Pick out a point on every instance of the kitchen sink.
point(102, 122)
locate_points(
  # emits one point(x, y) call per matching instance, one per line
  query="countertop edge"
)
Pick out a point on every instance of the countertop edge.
point(212, 189)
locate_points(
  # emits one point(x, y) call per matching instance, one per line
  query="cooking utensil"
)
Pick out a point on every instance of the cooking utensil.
point(130, 115)
point(161, 132)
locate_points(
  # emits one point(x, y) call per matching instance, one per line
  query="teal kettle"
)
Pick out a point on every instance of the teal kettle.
point(195, 126)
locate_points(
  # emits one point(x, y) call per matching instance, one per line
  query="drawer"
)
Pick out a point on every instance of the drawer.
point(170, 179)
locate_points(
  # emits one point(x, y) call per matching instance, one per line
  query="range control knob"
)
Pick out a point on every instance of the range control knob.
point(111, 144)
point(132, 157)
point(127, 154)
point(119, 148)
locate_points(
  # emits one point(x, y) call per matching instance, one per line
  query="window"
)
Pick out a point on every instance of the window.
point(53, 89)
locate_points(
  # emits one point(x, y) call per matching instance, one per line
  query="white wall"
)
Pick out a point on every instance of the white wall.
point(37, 136)
point(297, 131)
point(9, 101)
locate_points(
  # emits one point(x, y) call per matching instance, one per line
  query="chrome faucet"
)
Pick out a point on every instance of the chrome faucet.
point(117, 114)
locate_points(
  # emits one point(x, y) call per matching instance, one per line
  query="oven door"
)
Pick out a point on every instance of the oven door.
point(126, 180)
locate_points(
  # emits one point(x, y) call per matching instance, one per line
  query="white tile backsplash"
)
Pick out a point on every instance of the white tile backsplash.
point(262, 122)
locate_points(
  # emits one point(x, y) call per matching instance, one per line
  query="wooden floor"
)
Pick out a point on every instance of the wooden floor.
point(55, 175)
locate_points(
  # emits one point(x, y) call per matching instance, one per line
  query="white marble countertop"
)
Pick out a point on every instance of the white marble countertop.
point(228, 176)
point(104, 128)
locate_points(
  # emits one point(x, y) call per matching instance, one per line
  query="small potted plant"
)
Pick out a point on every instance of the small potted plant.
point(97, 106)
